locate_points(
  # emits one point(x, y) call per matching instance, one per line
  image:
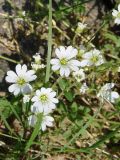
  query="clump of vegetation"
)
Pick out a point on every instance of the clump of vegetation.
point(63, 99)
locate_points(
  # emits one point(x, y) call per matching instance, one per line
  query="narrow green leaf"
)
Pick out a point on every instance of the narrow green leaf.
point(49, 43)
point(104, 138)
point(6, 123)
point(34, 133)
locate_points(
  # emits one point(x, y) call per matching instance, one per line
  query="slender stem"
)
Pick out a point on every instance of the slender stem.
point(8, 59)
point(49, 43)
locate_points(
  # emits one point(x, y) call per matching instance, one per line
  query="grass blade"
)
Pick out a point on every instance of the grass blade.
point(49, 43)
point(6, 123)
point(34, 133)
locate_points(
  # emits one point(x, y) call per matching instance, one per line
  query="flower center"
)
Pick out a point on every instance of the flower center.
point(43, 98)
point(94, 59)
point(21, 81)
point(63, 61)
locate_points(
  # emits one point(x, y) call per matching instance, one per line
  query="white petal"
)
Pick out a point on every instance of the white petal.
point(88, 55)
point(18, 69)
point(32, 120)
point(62, 71)
point(54, 100)
point(10, 79)
point(49, 118)
point(26, 89)
point(52, 106)
point(74, 62)
point(52, 94)
point(54, 61)
point(114, 13)
point(71, 52)
point(67, 72)
point(117, 20)
point(47, 108)
point(43, 89)
point(24, 68)
point(84, 63)
point(31, 72)
point(119, 7)
point(17, 91)
point(32, 78)
point(60, 52)
point(49, 90)
point(38, 92)
point(55, 67)
point(36, 108)
point(108, 86)
point(12, 74)
point(12, 88)
point(35, 98)
point(43, 126)
point(114, 94)
point(62, 49)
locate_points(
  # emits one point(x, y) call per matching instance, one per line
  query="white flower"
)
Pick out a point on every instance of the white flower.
point(93, 57)
point(26, 98)
point(118, 69)
point(44, 101)
point(107, 93)
point(81, 27)
point(20, 80)
point(46, 121)
point(116, 14)
point(37, 58)
point(23, 13)
point(84, 88)
point(79, 75)
point(66, 61)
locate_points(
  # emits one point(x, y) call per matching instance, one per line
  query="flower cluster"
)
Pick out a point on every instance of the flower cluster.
point(44, 101)
point(107, 93)
point(79, 75)
point(36, 65)
point(81, 27)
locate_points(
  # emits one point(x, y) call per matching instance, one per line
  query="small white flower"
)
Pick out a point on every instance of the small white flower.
point(46, 121)
point(66, 61)
point(23, 13)
point(84, 88)
point(20, 80)
point(92, 58)
point(37, 58)
point(26, 98)
point(107, 93)
point(81, 27)
point(118, 69)
point(44, 101)
point(79, 75)
point(116, 14)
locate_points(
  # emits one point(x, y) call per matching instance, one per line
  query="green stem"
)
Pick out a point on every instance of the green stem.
point(8, 59)
point(49, 43)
